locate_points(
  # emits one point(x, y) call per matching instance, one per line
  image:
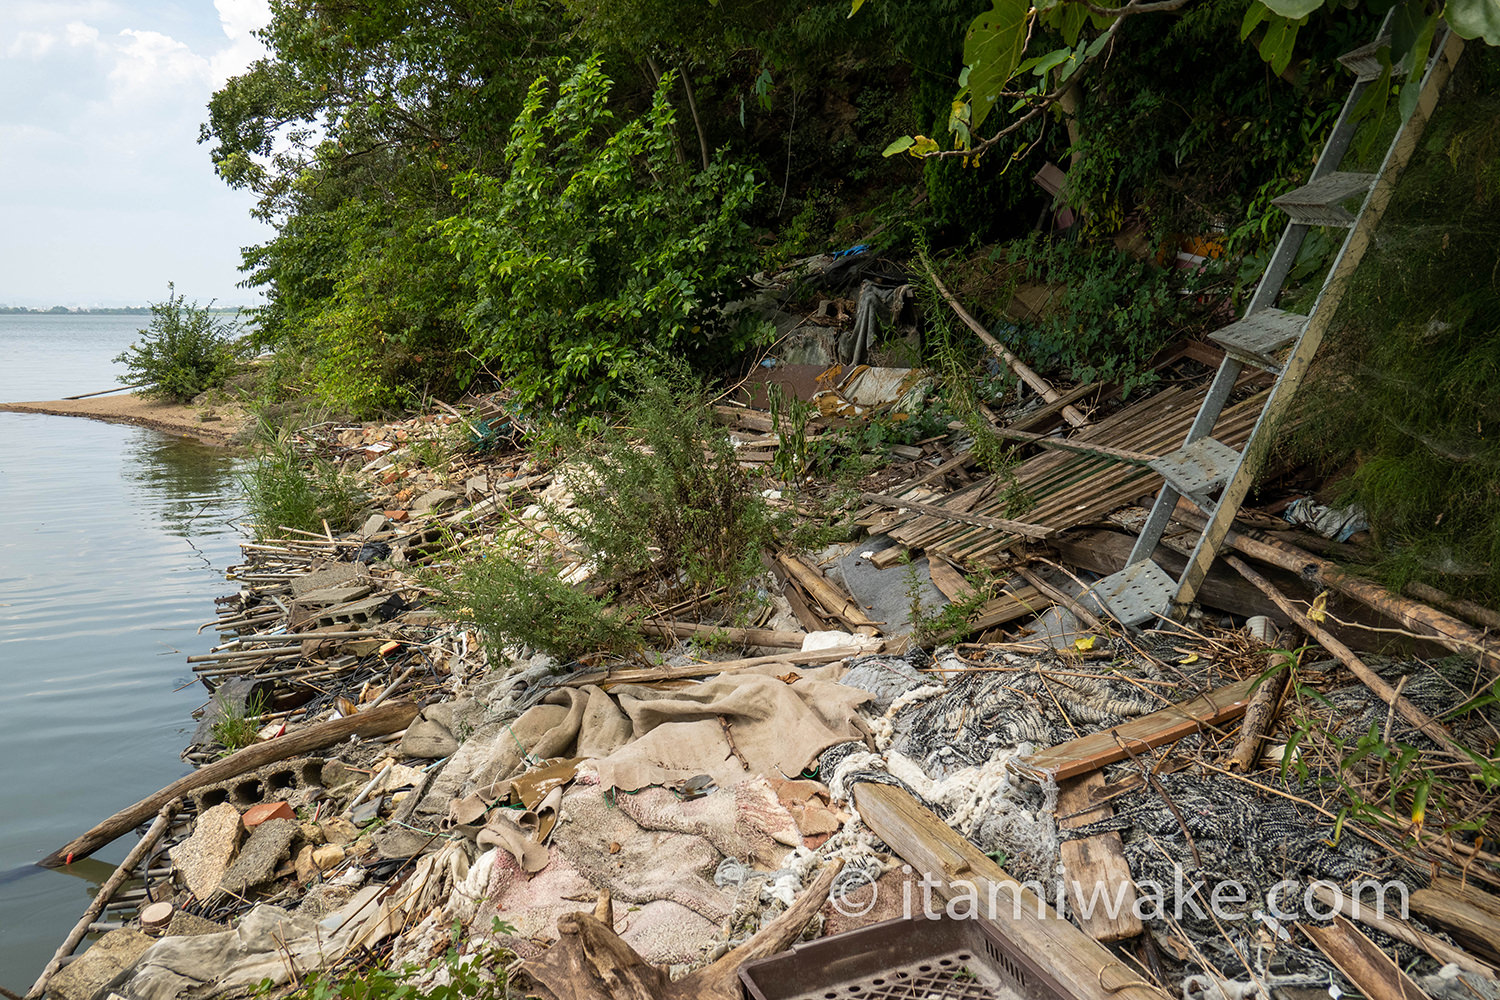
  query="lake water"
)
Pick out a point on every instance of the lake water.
point(115, 544)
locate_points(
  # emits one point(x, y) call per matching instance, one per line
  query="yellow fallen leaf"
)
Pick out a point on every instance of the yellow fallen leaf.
point(1319, 610)
point(1190, 658)
point(1085, 644)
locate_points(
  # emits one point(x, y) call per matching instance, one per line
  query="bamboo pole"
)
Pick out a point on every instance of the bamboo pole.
point(738, 636)
point(1429, 622)
point(1042, 386)
point(1429, 726)
point(833, 600)
point(1025, 530)
point(137, 853)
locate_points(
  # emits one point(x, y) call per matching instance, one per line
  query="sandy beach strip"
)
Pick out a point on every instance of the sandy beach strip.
point(216, 425)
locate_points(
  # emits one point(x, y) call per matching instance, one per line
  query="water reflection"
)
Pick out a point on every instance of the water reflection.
point(184, 482)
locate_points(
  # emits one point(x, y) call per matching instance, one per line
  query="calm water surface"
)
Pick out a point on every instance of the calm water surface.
point(115, 543)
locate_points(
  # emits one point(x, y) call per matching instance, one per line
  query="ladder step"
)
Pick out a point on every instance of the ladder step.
point(1256, 338)
point(1364, 64)
point(1137, 593)
point(1195, 469)
point(1321, 203)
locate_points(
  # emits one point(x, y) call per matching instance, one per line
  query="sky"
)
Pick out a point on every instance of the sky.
point(105, 193)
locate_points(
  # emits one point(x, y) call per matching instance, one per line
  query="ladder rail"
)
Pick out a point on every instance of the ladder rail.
point(1340, 275)
point(1283, 258)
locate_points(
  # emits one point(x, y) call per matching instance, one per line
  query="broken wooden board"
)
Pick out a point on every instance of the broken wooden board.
point(1100, 888)
point(1473, 924)
point(1051, 948)
point(1376, 975)
point(1090, 753)
point(948, 580)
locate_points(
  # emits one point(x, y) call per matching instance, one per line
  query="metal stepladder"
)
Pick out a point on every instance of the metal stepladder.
point(1143, 590)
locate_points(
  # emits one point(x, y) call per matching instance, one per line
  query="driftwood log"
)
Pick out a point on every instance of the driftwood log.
point(380, 722)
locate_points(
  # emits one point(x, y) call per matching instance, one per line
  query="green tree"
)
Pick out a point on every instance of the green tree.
point(596, 244)
point(349, 133)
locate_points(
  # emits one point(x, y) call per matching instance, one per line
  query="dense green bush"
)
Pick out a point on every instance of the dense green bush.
point(185, 350)
point(516, 602)
point(663, 498)
point(1111, 312)
point(659, 507)
point(596, 243)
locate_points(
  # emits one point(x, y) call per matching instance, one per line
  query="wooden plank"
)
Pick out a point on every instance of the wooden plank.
point(1016, 602)
point(1095, 866)
point(644, 675)
point(1366, 966)
point(1473, 926)
point(1051, 948)
point(1089, 753)
point(948, 580)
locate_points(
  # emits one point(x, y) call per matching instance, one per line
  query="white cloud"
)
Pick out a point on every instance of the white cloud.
point(153, 64)
point(78, 34)
point(239, 18)
point(105, 191)
point(30, 44)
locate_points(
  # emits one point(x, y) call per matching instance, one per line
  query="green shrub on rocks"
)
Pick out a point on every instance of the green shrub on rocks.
point(183, 351)
point(661, 509)
point(286, 492)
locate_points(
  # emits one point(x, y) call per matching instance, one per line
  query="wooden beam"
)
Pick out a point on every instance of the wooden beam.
point(1050, 948)
point(1090, 753)
point(1095, 866)
point(647, 674)
point(1376, 975)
